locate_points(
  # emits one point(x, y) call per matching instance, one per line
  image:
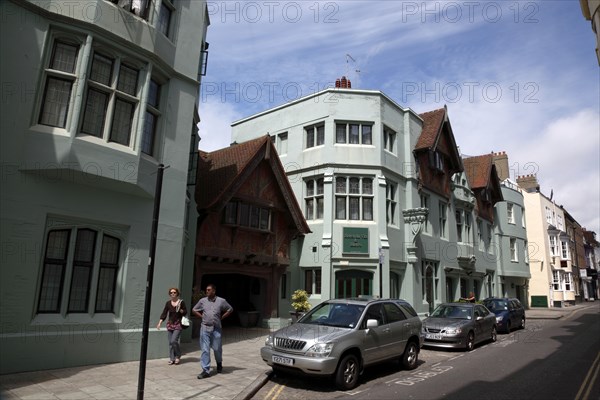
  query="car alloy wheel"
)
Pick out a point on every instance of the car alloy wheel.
point(410, 356)
point(470, 341)
point(346, 376)
point(522, 326)
point(494, 334)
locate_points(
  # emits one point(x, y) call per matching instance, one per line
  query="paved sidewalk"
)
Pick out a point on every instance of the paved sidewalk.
point(243, 373)
point(557, 312)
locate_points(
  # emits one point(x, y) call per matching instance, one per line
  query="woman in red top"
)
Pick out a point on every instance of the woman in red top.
point(174, 310)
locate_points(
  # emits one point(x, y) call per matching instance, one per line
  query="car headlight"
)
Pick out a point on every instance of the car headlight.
point(319, 350)
point(453, 331)
point(499, 318)
point(269, 341)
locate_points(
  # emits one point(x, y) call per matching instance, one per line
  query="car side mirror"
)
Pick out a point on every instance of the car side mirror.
point(372, 323)
point(479, 318)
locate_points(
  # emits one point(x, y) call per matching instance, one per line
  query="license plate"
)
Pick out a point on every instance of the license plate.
point(433, 336)
point(283, 360)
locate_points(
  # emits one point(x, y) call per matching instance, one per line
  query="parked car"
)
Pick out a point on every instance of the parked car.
point(510, 313)
point(341, 337)
point(459, 325)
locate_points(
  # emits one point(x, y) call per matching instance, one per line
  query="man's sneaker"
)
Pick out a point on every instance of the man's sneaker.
point(219, 368)
point(203, 375)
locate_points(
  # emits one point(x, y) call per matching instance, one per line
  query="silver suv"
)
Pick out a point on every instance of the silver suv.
point(340, 337)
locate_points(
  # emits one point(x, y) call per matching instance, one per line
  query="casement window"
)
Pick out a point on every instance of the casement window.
point(523, 217)
point(151, 118)
point(564, 247)
point(354, 198)
point(526, 252)
point(353, 133)
point(139, 8)
point(165, 17)
point(459, 225)
point(281, 143)
point(549, 216)
point(442, 207)
point(509, 213)
point(553, 246)
point(312, 281)
point(429, 282)
point(556, 280)
point(391, 202)
point(559, 223)
point(567, 277)
point(436, 160)
point(313, 199)
point(112, 85)
point(490, 236)
point(513, 250)
point(425, 204)
point(60, 77)
point(389, 139)
point(467, 226)
point(315, 135)
point(80, 271)
point(247, 215)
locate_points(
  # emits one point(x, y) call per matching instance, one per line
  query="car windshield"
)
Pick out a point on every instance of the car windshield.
point(334, 314)
point(496, 305)
point(451, 311)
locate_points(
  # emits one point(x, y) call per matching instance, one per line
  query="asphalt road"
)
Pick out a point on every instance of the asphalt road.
point(550, 359)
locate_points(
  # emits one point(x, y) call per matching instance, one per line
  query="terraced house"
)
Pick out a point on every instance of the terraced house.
point(392, 210)
point(99, 94)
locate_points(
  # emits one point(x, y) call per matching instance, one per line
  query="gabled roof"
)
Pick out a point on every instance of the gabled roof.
point(222, 172)
point(435, 123)
point(481, 173)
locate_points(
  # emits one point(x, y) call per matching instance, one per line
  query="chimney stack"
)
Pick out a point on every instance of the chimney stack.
point(501, 162)
point(343, 83)
point(528, 183)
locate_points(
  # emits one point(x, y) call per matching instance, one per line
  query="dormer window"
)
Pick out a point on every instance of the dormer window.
point(436, 161)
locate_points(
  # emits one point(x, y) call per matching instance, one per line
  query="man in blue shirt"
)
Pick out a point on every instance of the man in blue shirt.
point(212, 309)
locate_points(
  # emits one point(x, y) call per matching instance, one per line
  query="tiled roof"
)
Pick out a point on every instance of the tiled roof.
point(222, 171)
point(432, 124)
point(218, 170)
point(478, 170)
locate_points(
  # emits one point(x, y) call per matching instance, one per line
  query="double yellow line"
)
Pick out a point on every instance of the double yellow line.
point(274, 392)
point(588, 382)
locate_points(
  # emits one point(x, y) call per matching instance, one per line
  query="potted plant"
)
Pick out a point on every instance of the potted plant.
point(300, 304)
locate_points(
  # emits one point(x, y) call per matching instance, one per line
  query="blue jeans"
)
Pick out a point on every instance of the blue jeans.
point(174, 349)
point(210, 340)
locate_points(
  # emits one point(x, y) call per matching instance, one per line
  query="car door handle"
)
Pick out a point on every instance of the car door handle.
point(386, 330)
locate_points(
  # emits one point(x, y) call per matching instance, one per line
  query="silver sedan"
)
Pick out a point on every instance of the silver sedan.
point(459, 325)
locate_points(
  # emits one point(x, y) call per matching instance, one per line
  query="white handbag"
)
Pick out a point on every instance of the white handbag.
point(185, 321)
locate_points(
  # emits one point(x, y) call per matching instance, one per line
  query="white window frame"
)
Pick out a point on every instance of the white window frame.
point(351, 129)
point(549, 216)
point(313, 279)
point(458, 215)
point(514, 257)
point(314, 198)
point(391, 194)
point(564, 250)
point(510, 213)
point(314, 135)
point(425, 204)
point(353, 194)
point(443, 218)
point(389, 139)
point(556, 281)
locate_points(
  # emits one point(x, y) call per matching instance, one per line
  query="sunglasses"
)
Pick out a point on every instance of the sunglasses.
point(172, 292)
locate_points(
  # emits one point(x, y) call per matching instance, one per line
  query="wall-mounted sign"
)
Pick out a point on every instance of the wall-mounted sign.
point(356, 240)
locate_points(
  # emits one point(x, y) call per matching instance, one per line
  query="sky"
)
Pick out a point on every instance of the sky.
point(516, 76)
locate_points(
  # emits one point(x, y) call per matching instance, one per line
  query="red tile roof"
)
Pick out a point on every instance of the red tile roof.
point(221, 172)
point(432, 125)
point(478, 170)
